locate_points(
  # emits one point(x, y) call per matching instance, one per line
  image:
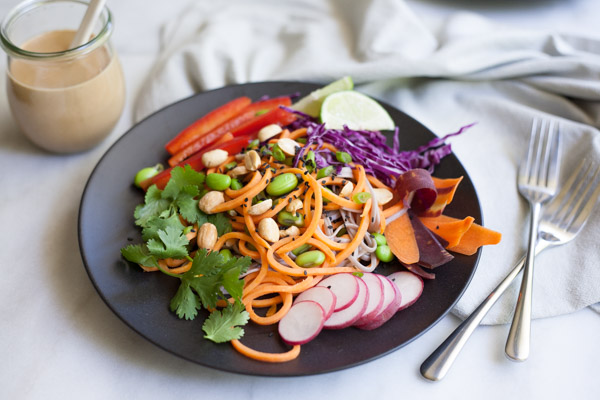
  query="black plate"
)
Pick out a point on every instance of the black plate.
point(141, 299)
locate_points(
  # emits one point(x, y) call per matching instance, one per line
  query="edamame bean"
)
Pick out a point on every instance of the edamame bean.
point(218, 181)
point(236, 184)
point(265, 151)
point(288, 219)
point(324, 172)
point(282, 184)
point(147, 173)
point(384, 253)
point(379, 239)
point(310, 259)
point(278, 154)
point(301, 249)
point(226, 253)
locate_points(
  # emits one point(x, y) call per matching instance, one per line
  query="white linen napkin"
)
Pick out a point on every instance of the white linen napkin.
point(466, 69)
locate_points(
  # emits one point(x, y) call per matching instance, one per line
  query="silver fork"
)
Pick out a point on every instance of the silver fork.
point(562, 219)
point(538, 183)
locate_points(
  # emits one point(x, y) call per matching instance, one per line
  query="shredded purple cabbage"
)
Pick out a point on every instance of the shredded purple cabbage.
point(369, 149)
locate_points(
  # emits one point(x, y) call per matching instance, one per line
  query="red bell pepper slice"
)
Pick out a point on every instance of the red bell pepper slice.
point(207, 123)
point(244, 116)
point(233, 146)
point(198, 146)
point(276, 116)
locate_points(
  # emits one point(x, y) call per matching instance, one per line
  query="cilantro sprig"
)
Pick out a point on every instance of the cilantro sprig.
point(159, 218)
point(223, 326)
point(211, 277)
point(209, 272)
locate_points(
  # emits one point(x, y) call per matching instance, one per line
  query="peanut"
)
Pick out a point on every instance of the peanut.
point(207, 236)
point(252, 160)
point(261, 208)
point(268, 132)
point(268, 230)
point(383, 196)
point(210, 200)
point(288, 146)
point(214, 158)
point(347, 189)
point(294, 206)
point(291, 231)
point(238, 171)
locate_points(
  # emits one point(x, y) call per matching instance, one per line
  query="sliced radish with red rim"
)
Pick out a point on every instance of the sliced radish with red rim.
point(321, 295)
point(391, 302)
point(345, 288)
point(302, 323)
point(410, 285)
point(375, 303)
point(348, 316)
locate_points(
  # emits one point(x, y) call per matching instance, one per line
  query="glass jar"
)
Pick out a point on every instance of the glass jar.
point(63, 99)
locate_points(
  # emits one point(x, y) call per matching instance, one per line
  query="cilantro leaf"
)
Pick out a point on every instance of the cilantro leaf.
point(207, 275)
point(221, 222)
point(156, 224)
point(223, 326)
point(153, 206)
point(188, 205)
point(172, 244)
point(185, 303)
point(139, 254)
point(231, 272)
point(208, 289)
point(204, 277)
point(180, 178)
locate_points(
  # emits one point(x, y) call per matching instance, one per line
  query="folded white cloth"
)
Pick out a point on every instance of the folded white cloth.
point(466, 69)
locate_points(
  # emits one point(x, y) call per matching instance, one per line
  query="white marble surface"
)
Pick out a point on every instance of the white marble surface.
point(59, 340)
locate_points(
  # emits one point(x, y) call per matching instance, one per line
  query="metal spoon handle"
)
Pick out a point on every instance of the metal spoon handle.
point(439, 362)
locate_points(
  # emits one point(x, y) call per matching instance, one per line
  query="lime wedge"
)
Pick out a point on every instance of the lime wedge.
point(311, 104)
point(356, 110)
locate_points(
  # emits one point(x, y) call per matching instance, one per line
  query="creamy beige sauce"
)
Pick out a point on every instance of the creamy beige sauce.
point(66, 106)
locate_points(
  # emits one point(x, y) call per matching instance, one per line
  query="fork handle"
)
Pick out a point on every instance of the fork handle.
point(519, 336)
point(437, 365)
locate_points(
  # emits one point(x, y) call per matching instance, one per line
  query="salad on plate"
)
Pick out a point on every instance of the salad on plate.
point(274, 212)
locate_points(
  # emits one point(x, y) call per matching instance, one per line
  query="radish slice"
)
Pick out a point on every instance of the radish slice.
point(322, 296)
point(410, 285)
point(375, 303)
point(344, 287)
point(348, 316)
point(391, 302)
point(302, 323)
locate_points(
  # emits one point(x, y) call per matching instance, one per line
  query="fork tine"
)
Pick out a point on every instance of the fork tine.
point(575, 200)
point(541, 165)
point(526, 165)
point(556, 209)
point(588, 201)
point(543, 156)
point(554, 154)
point(574, 203)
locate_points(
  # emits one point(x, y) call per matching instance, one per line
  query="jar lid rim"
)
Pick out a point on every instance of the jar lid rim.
point(26, 6)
